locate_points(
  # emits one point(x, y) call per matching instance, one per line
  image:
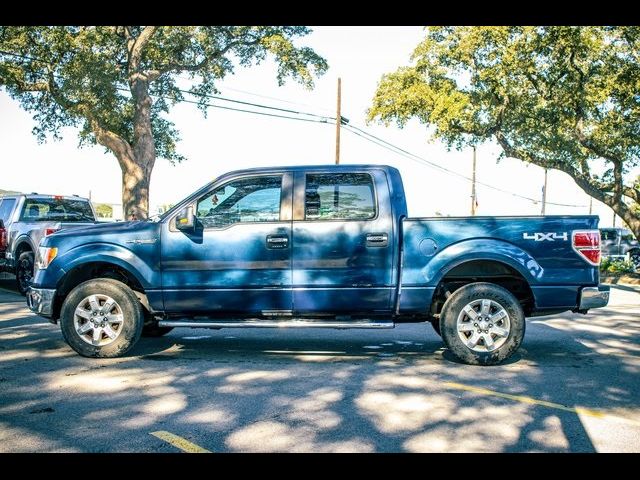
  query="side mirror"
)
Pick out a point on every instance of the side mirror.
point(186, 220)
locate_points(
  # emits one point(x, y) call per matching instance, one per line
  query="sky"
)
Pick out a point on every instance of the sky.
point(227, 140)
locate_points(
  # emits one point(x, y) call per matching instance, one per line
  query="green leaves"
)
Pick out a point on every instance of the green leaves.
point(560, 97)
point(82, 76)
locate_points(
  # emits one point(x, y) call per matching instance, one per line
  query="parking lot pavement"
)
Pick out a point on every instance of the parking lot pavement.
point(573, 386)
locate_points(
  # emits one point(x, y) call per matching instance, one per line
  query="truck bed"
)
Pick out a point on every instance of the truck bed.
point(538, 247)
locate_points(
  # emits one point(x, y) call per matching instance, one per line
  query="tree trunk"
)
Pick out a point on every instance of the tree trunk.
point(136, 175)
point(135, 192)
point(631, 218)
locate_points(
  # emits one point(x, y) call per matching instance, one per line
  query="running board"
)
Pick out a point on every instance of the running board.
point(291, 323)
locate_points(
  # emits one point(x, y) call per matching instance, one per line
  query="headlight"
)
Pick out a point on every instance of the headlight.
point(46, 256)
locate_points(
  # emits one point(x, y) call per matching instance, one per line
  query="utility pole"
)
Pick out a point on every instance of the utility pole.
point(544, 192)
point(614, 219)
point(590, 204)
point(473, 184)
point(338, 123)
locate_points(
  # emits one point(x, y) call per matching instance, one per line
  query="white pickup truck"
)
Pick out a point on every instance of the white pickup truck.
point(27, 218)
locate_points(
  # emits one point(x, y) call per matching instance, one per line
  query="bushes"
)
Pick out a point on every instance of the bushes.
point(616, 266)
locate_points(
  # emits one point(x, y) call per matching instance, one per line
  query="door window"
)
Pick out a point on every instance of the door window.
point(343, 196)
point(254, 199)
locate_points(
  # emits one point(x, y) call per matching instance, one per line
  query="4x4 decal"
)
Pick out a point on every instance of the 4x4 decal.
point(542, 236)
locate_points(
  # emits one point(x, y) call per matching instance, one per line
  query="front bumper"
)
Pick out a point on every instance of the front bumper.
point(40, 301)
point(594, 297)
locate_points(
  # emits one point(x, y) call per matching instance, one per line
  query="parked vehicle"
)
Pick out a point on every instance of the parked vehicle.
point(323, 246)
point(26, 219)
point(620, 244)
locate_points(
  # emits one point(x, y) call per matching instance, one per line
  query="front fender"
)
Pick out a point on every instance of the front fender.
point(100, 252)
point(429, 271)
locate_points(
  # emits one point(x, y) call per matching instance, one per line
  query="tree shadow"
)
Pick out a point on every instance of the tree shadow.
point(317, 390)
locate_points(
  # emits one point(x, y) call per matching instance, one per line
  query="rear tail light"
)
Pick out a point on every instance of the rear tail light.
point(3, 239)
point(587, 244)
point(49, 231)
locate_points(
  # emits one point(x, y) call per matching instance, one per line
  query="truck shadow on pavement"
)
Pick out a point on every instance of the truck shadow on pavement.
point(320, 390)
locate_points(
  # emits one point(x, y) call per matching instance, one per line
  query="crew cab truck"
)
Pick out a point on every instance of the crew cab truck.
point(26, 218)
point(316, 246)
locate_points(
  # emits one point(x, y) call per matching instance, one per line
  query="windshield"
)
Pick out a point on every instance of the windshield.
point(56, 210)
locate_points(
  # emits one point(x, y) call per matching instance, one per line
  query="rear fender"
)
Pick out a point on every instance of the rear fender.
point(481, 249)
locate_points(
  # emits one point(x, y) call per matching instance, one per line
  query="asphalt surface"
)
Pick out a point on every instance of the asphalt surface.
point(573, 386)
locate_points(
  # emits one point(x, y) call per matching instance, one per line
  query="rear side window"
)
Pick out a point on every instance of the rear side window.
point(56, 210)
point(341, 196)
point(608, 234)
point(6, 207)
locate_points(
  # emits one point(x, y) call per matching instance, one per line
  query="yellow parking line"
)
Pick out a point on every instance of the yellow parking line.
point(523, 399)
point(543, 403)
point(179, 442)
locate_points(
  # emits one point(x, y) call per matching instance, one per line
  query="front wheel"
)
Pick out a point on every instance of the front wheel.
point(101, 318)
point(482, 324)
point(24, 271)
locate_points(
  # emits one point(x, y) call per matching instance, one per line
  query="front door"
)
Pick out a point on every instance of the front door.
point(342, 244)
point(239, 257)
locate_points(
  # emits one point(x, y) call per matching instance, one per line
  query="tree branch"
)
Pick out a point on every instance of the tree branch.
point(136, 46)
point(179, 67)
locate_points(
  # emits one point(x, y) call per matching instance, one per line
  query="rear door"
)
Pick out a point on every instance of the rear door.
point(342, 242)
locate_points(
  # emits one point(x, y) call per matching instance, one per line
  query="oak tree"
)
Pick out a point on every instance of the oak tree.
point(560, 97)
point(117, 83)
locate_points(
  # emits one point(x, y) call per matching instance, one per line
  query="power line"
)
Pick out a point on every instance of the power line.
point(211, 105)
point(400, 151)
point(268, 107)
point(277, 99)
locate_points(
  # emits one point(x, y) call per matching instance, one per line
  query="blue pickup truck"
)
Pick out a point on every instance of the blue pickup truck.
point(315, 246)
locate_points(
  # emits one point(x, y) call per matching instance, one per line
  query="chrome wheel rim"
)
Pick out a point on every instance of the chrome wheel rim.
point(98, 320)
point(483, 325)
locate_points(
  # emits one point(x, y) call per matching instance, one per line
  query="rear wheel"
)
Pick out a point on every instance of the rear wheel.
point(482, 324)
point(101, 318)
point(24, 271)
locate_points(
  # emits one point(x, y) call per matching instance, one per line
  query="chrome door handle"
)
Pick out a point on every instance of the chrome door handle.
point(377, 239)
point(277, 241)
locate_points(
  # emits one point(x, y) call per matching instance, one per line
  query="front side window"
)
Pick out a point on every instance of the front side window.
point(342, 196)
point(255, 199)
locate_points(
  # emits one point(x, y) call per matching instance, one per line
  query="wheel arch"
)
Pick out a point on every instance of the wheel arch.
point(492, 270)
point(94, 270)
point(23, 244)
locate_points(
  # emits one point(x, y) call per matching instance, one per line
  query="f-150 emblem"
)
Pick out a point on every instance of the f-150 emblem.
point(542, 236)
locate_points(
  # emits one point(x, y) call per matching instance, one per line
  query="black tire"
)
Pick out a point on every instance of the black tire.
point(435, 323)
point(24, 271)
point(464, 296)
point(153, 330)
point(132, 314)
